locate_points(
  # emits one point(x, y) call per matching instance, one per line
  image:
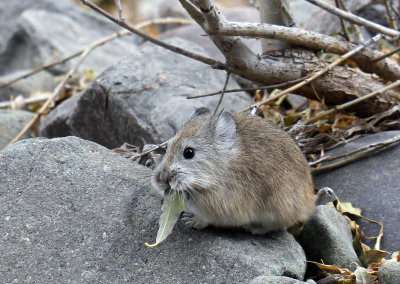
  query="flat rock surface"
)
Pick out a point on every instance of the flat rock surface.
point(11, 123)
point(72, 211)
point(373, 184)
point(142, 98)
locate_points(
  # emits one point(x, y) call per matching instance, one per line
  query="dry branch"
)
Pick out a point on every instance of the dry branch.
point(387, 69)
point(355, 19)
point(316, 74)
point(214, 63)
point(366, 151)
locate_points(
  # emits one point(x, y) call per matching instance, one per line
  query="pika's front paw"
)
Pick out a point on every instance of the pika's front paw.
point(194, 222)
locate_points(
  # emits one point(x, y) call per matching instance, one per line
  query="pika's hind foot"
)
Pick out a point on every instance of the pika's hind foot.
point(193, 221)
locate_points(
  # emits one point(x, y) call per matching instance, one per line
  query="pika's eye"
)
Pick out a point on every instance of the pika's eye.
point(188, 153)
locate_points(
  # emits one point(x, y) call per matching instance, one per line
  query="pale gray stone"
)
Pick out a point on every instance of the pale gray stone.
point(326, 237)
point(389, 273)
point(72, 211)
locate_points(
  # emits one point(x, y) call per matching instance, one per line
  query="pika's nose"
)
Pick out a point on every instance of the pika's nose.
point(167, 174)
point(171, 175)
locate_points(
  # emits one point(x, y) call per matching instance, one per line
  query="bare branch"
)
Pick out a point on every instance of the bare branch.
point(353, 102)
point(367, 151)
point(355, 19)
point(214, 63)
point(193, 11)
point(275, 86)
point(162, 145)
point(386, 55)
point(387, 69)
point(222, 93)
point(20, 104)
point(317, 74)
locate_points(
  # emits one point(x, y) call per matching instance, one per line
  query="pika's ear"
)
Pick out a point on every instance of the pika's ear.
point(198, 113)
point(225, 129)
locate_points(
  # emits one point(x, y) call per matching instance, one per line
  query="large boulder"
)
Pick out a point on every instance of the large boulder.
point(142, 98)
point(73, 211)
point(371, 184)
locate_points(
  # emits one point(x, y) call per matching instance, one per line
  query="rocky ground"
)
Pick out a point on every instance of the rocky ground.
point(73, 211)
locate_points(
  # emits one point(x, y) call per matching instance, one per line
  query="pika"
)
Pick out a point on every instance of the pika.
point(236, 170)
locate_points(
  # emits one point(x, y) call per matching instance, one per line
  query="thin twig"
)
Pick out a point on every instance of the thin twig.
point(355, 19)
point(214, 63)
point(347, 154)
point(356, 29)
point(120, 13)
point(386, 55)
point(24, 101)
point(318, 73)
point(42, 68)
point(249, 89)
point(223, 92)
point(287, 13)
point(390, 16)
point(353, 102)
point(343, 24)
point(134, 158)
point(108, 38)
point(369, 150)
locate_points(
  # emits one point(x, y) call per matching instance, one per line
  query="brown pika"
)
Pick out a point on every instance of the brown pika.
point(236, 170)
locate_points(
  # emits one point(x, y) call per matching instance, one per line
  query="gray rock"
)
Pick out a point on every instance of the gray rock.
point(142, 98)
point(278, 280)
point(326, 237)
point(42, 81)
point(11, 123)
point(74, 212)
point(371, 184)
point(389, 273)
point(303, 11)
point(54, 29)
point(56, 124)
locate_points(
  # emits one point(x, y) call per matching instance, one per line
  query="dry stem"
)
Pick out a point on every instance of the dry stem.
point(214, 63)
point(223, 92)
point(368, 150)
point(275, 86)
point(355, 19)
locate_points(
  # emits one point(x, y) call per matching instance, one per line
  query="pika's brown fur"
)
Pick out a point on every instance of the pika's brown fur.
point(244, 173)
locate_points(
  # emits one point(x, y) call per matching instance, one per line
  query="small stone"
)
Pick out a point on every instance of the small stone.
point(326, 238)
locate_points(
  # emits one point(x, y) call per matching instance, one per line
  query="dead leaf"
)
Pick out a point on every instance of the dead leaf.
point(372, 256)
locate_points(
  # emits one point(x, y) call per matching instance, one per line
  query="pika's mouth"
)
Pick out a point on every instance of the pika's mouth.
point(167, 189)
